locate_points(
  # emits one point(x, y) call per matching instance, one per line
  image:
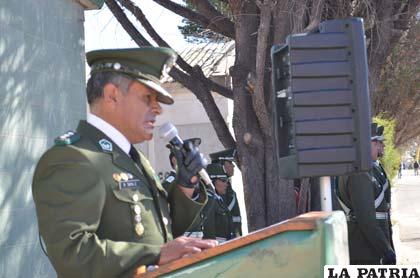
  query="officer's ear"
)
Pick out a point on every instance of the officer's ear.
point(111, 95)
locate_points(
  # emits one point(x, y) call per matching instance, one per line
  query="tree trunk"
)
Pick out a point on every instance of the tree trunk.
point(249, 140)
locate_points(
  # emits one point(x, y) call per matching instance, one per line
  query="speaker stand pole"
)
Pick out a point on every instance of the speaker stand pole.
point(325, 193)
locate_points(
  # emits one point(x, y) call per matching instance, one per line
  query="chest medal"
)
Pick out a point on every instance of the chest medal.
point(138, 227)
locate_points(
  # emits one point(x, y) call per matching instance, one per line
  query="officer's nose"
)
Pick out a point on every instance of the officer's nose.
point(155, 107)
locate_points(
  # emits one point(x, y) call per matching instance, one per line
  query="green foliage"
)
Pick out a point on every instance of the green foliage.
point(392, 157)
point(194, 33)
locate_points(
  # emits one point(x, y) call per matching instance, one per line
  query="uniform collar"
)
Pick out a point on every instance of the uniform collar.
point(114, 134)
point(119, 158)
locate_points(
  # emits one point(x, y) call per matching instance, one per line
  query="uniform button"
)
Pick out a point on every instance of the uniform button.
point(165, 221)
point(137, 218)
point(135, 197)
point(116, 177)
point(124, 176)
point(139, 229)
point(137, 209)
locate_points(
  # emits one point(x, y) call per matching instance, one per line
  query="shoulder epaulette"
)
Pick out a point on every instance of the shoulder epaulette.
point(67, 138)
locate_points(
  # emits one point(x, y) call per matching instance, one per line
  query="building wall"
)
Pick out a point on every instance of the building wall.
point(42, 79)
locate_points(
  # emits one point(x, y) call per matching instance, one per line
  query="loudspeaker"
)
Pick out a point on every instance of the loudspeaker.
point(322, 107)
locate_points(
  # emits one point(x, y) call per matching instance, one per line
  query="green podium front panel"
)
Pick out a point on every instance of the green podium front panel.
point(297, 253)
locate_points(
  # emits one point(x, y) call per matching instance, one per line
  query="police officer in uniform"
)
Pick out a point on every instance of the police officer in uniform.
point(217, 217)
point(363, 199)
point(226, 159)
point(380, 174)
point(171, 178)
point(101, 209)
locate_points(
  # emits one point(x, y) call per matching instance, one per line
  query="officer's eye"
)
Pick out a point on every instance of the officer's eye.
point(146, 98)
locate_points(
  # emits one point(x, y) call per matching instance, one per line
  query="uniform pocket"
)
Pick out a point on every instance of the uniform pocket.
point(140, 207)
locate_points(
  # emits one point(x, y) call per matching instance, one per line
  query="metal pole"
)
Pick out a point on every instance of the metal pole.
point(325, 193)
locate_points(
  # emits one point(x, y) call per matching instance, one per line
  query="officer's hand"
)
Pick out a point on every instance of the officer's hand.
point(182, 247)
point(189, 161)
point(389, 259)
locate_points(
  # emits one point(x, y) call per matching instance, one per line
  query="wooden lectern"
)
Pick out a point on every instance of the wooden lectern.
point(298, 247)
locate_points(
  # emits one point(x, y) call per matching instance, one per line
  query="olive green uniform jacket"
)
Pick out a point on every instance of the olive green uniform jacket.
point(382, 178)
point(88, 219)
point(231, 202)
point(215, 220)
point(218, 220)
point(369, 237)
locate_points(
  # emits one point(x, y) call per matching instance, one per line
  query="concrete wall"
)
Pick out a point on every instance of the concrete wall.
point(42, 80)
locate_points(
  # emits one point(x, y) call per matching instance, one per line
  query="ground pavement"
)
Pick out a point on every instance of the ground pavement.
point(406, 218)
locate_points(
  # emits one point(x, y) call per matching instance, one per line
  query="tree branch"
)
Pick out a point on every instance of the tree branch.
point(207, 100)
point(315, 16)
point(197, 87)
point(209, 84)
point(216, 18)
point(258, 99)
point(299, 13)
point(404, 14)
point(200, 19)
point(139, 15)
point(126, 24)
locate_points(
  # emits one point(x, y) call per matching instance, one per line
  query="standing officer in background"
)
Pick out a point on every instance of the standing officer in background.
point(101, 209)
point(381, 176)
point(363, 199)
point(217, 219)
point(226, 159)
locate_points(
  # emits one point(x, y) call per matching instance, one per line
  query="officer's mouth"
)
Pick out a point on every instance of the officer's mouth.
point(149, 125)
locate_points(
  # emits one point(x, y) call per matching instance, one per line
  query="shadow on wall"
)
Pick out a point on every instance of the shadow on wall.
point(41, 96)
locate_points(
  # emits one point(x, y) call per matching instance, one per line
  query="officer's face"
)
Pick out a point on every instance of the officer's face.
point(221, 186)
point(229, 168)
point(374, 148)
point(137, 110)
point(381, 148)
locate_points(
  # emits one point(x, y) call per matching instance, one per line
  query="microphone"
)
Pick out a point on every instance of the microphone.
point(169, 133)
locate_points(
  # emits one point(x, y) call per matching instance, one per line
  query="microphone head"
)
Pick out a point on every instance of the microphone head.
point(167, 132)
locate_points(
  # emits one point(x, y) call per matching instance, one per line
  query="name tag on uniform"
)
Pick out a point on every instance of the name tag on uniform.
point(129, 184)
point(236, 219)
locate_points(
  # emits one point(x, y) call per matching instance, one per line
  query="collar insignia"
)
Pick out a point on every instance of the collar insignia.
point(105, 145)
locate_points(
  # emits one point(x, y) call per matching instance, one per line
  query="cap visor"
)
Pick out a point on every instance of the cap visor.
point(380, 138)
point(163, 95)
point(377, 138)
